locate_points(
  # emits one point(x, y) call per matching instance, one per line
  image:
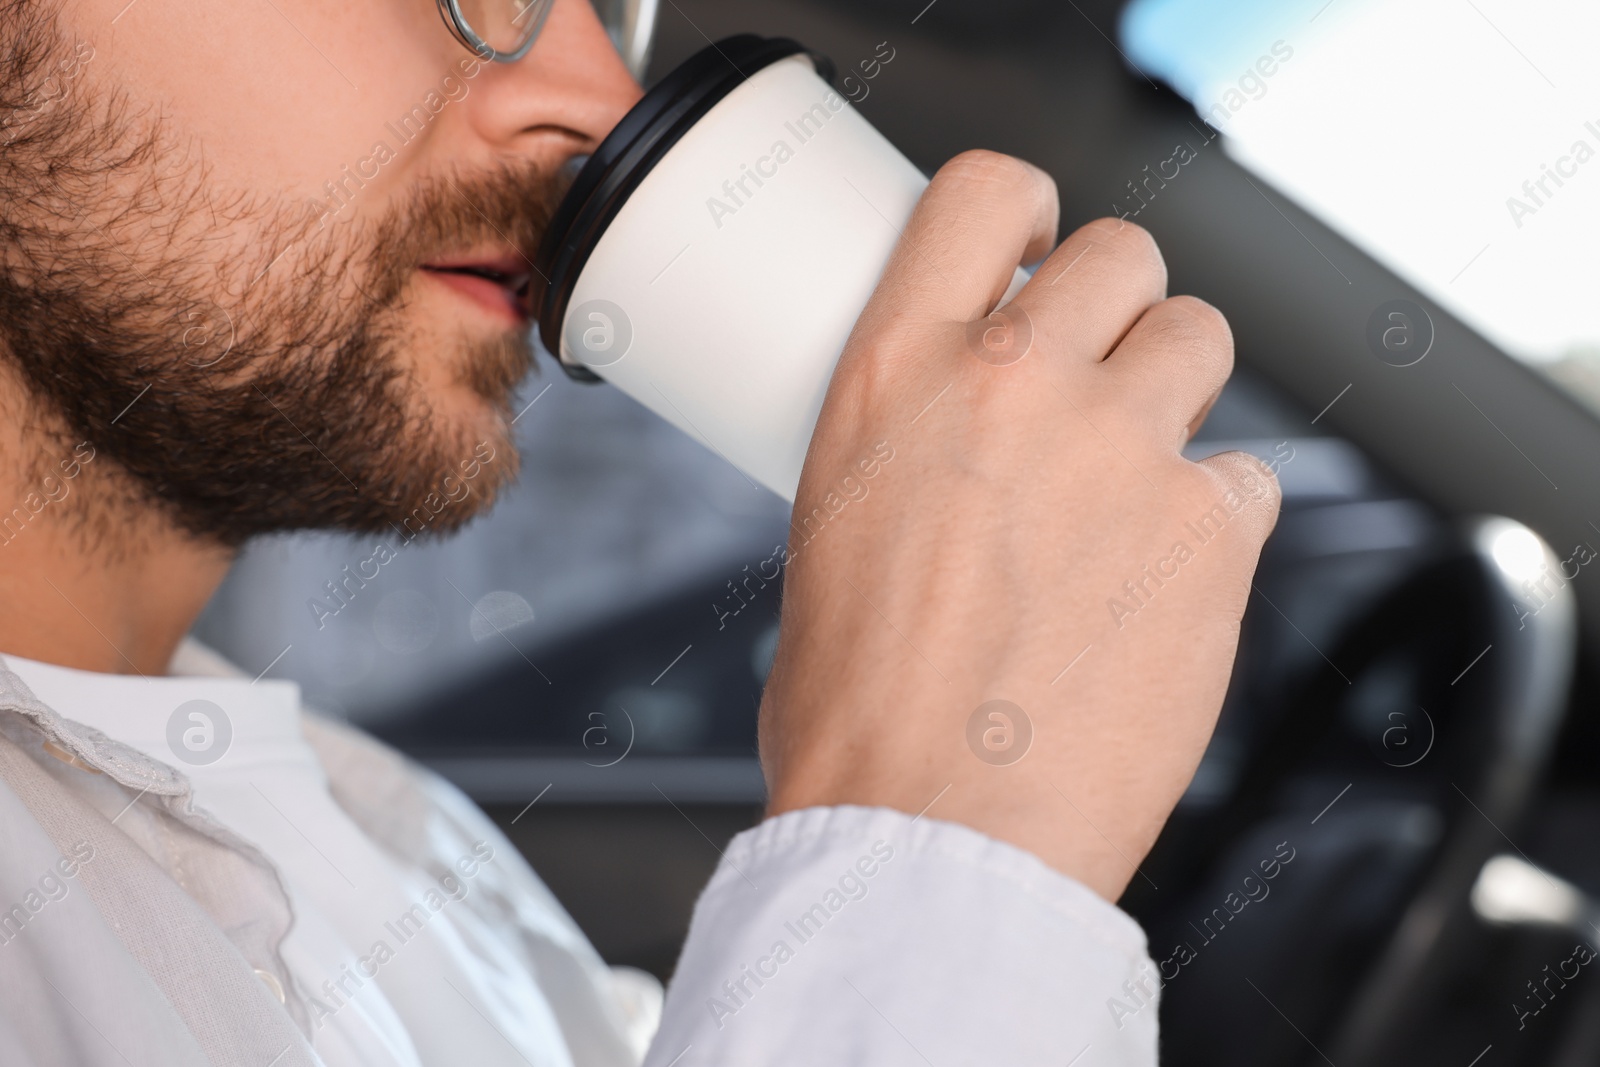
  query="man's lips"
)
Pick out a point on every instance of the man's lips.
point(498, 283)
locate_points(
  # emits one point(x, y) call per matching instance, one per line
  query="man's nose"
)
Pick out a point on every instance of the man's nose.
point(572, 82)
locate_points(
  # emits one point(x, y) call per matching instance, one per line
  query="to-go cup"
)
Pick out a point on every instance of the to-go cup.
point(713, 254)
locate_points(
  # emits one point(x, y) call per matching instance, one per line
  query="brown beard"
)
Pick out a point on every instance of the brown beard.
point(251, 389)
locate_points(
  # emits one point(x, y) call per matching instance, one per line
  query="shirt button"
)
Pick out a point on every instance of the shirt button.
point(270, 980)
point(68, 758)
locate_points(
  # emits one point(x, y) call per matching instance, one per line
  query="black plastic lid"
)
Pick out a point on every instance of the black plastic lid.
point(628, 154)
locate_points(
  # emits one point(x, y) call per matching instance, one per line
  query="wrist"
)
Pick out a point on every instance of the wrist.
point(1092, 847)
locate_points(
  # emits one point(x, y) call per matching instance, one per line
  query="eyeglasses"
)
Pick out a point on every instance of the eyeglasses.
point(503, 30)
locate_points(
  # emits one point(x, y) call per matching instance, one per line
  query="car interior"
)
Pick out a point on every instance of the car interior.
point(1388, 852)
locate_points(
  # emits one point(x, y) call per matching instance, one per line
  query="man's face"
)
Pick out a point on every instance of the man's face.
point(264, 255)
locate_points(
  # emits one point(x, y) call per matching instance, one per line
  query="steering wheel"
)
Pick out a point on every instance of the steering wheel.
point(1441, 762)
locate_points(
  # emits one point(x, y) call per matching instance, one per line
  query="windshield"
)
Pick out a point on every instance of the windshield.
point(1452, 142)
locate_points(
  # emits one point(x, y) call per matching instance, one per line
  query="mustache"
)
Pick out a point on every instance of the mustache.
point(507, 204)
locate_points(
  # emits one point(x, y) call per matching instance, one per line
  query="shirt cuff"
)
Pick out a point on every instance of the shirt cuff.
point(865, 936)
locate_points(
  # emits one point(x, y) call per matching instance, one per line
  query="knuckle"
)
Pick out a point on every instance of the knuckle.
point(1164, 327)
point(1125, 247)
point(1249, 482)
point(1260, 486)
point(1268, 479)
point(1196, 330)
point(989, 172)
point(1201, 316)
point(1125, 238)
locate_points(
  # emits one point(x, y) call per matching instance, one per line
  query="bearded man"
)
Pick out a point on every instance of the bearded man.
point(235, 300)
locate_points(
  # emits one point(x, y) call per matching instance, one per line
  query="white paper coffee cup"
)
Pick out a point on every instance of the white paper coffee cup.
point(715, 252)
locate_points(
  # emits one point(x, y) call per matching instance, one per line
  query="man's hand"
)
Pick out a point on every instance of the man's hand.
point(1036, 538)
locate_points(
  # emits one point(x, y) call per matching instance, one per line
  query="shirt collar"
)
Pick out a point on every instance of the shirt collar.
point(198, 724)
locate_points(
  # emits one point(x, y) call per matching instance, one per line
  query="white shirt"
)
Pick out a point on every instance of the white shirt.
point(830, 935)
point(353, 904)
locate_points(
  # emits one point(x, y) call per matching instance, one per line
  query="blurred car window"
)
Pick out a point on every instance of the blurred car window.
point(614, 511)
point(1468, 166)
